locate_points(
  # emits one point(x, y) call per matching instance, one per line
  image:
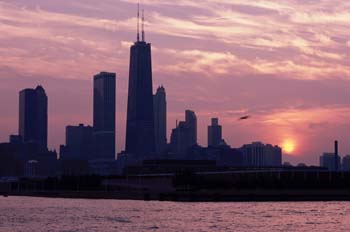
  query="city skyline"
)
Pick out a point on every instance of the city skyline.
point(295, 116)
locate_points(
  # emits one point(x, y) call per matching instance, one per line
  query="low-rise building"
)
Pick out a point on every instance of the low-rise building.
point(258, 154)
point(327, 160)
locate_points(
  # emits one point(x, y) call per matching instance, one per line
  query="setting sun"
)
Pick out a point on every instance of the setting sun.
point(288, 146)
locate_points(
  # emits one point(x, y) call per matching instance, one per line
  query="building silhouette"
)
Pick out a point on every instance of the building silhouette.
point(327, 161)
point(15, 139)
point(33, 117)
point(346, 163)
point(214, 133)
point(79, 143)
point(191, 124)
point(258, 154)
point(140, 136)
point(184, 136)
point(336, 156)
point(104, 116)
point(160, 119)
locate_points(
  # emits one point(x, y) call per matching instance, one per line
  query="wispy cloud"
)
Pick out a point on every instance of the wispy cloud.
point(286, 62)
point(288, 39)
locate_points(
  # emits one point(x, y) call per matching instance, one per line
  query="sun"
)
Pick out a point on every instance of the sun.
point(288, 146)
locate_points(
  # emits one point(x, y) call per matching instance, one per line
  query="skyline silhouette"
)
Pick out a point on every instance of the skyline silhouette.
point(233, 114)
point(304, 114)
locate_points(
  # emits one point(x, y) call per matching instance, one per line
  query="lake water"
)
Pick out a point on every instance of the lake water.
point(45, 214)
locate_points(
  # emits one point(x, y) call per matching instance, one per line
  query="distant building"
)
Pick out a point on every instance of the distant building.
point(178, 139)
point(79, 143)
point(214, 133)
point(16, 139)
point(337, 164)
point(327, 160)
point(287, 164)
point(160, 119)
point(191, 124)
point(104, 115)
point(33, 117)
point(184, 135)
point(258, 154)
point(224, 155)
point(301, 165)
point(9, 162)
point(346, 163)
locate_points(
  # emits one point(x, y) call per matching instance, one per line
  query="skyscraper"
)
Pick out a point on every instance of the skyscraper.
point(140, 122)
point(33, 117)
point(104, 116)
point(79, 143)
point(159, 105)
point(184, 136)
point(191, 123)
point(214, 133)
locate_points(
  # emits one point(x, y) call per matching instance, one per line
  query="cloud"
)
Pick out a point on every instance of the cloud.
point(285, 62)
point(202, 62)
point(319, 125)
point(284, 29)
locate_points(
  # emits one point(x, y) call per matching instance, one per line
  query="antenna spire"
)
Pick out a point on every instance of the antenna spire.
point(143, 26)
point(138, 22)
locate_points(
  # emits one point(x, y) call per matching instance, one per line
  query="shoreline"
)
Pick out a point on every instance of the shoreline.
point(186, 196)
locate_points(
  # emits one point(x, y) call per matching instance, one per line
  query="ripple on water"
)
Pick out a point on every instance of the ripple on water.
point(40, 214)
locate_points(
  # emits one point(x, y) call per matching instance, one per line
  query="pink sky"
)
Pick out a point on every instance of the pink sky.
point(285, 63)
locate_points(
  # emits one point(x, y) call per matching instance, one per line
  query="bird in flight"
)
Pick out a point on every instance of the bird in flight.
point(244, 117)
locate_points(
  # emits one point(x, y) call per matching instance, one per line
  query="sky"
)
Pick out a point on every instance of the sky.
point(285, 63)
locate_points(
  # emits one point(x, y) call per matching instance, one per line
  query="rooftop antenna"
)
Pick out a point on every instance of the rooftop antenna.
point(143, 26)
point(138, 22)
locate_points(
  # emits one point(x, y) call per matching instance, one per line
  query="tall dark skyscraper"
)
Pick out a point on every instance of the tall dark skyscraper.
point(104, 116)
point(140, 139)
point(214, 133)
point(33, 117)
point(160, 119)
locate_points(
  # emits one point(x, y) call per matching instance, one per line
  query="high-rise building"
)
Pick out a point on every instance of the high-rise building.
point(258, 154)
point(33, 117)
point(191, 124)
point(184, 136)
point(214, 133)
point(179, 142)
point(160, 119)
point(346, 163)
point(140, 139)
point(327, 160)
point(104, 115)
point(79, 143)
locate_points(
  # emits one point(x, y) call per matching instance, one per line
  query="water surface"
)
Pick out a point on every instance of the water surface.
point(45, 214)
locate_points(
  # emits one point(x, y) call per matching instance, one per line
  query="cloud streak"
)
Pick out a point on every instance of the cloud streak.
point(286, 62)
